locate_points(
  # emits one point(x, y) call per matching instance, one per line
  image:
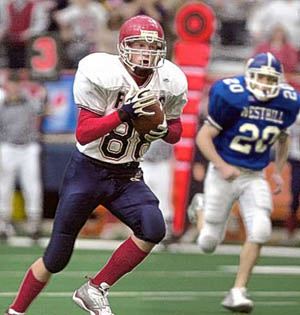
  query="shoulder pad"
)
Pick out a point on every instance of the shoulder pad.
point(288, 97)
point(172, 78)
point(231, 90)
point(102, 69)
point(289, 94)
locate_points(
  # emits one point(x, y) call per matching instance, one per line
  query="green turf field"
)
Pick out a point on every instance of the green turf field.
point(166, 284)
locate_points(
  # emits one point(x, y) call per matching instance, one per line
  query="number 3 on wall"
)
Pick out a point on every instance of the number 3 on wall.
point(43, 58)
point(244, 143)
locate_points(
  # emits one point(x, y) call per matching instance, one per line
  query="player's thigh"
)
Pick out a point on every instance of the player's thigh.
point(80, 193)
point(256, 207)
point(218, 197)
point(71, 214)
point(138, 208)
point(218, 200)
point(78, 198)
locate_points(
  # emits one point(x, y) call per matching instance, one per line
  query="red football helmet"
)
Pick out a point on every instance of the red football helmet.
point(142, 29)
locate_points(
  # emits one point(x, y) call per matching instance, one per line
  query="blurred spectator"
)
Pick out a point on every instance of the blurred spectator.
point(81, 24)
point(157, 169)
point(19, 155)
point(57, 5)
point(21, 20)
point(3, 59)
point(110, 39)
point(232, 17)
point(3, 5)
point(153, 8)
point(294, 159)
point(271, 13)
point(279, 45)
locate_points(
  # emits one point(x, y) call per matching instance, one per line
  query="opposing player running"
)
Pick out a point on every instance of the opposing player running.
point(111, 91)
point(246, 116)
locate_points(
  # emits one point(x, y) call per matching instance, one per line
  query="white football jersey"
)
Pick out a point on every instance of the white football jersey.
point(101, 83)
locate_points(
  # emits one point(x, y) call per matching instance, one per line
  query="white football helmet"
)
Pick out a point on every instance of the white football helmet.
point(263, 76)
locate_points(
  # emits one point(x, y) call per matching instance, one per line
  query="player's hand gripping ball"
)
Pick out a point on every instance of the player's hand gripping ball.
point(144, 124)
point(144, 110)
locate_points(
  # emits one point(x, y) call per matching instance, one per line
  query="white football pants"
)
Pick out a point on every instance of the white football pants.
point(253, 193)
point(22, 161)
point(158, 176)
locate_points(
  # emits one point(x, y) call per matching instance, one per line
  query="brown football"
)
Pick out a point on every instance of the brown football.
point(144, 124)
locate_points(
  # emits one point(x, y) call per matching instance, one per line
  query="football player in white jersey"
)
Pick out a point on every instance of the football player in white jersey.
point(111, 91)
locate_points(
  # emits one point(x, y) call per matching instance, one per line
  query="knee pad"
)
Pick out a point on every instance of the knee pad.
point(261, 229)
point(210, 237)
point(59, 252)
point(152, 225)
point(207, 243)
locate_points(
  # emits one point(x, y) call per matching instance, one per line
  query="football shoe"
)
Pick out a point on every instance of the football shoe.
point(237, 301)
point(93, 299)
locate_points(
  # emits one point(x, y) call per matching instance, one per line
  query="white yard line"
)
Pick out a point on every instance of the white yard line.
point(159, 294)
point(223, 272)
point(97, 244)
point(276, 303)
point(268, 270)
point(159, 274)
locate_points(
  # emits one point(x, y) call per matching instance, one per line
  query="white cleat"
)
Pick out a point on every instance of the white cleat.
point(93, 299)
point(236, 301)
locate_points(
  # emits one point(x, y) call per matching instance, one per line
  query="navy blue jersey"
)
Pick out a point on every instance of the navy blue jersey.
point(248, 127)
